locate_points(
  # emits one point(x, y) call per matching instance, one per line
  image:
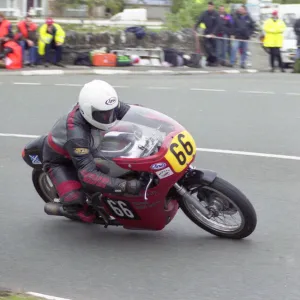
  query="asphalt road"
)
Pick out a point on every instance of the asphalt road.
point(254, 112)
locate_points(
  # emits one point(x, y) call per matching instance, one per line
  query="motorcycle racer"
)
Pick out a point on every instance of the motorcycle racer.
point(68, 148)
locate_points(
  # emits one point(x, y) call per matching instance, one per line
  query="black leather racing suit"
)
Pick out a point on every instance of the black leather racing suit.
point(68, 159)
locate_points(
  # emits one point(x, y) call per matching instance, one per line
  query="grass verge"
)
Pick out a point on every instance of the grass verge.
point(6, 295)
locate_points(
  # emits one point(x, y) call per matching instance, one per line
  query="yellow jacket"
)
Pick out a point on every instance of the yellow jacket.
point(273, 33)
point(46, 38)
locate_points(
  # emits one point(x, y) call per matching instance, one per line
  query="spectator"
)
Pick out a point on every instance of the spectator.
point(5, 26)
point(243, 28)
point(27, 37)
point(274, 28)
point(11, 53)
point(51, 36)
point(297, 32)
point(210, 18)
point(224, 31)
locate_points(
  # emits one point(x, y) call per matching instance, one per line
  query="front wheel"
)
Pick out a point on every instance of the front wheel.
point(224, 200)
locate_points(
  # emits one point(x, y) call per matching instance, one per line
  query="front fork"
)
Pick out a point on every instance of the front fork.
point(205, 177)
point(192, 199)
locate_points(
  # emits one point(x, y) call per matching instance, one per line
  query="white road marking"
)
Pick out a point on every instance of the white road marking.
point(45, 296)
point(111, 72)
point(156, 88)
point(257, 154)
point(252, 71)
point(221, 151)
point(68, 84)
point(293, 94)
point(27, 83)
point(43, 72)
point(160, 88)
point(196, 72)
point(19, 135)
point(207, 90)
point(160, 72)
point(256, 92)
point(231, 71)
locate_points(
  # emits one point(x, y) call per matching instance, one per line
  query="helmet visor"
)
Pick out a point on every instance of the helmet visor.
point(104, 117)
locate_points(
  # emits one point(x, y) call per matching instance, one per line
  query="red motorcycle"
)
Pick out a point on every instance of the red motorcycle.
point(159, 152)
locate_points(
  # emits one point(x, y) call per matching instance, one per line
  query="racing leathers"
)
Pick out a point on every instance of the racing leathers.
point(69, 162)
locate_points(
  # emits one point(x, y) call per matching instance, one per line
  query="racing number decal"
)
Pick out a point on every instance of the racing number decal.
point(180, 155)
point(181, 151)
point(122, 209)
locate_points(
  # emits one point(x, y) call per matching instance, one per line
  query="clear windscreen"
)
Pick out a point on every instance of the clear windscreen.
point(140, 133)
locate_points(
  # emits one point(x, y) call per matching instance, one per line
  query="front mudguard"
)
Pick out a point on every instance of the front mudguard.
point(199, 176)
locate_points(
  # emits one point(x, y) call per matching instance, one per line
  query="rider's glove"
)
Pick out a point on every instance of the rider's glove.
point(133, 187)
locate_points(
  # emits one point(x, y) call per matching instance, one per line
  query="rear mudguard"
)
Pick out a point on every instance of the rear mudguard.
point(200, 176)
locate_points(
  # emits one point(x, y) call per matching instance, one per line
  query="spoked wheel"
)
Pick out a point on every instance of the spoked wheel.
point(233, 216)
point(46, 189)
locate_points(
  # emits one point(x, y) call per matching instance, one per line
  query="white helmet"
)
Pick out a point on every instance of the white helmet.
point(98, 101)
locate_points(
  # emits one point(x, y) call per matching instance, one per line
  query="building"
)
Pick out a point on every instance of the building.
point(156, 9)
point(19, 8)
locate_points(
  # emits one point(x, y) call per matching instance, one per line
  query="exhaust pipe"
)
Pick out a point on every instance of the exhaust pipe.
point(54, 209)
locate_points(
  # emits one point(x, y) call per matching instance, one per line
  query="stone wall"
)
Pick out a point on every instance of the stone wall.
point(79, 42)
point(183, 41)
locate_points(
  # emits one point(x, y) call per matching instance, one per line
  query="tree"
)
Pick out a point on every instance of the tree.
point(91, 5)
point(236, 1)
point(187, 14)
point(287, 1)
point(176, 6)
point(115, 6)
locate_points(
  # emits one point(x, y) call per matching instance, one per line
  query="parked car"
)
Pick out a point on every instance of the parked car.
point(289, 48)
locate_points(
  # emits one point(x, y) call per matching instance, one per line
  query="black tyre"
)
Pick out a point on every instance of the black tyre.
point(44, 186)
point(46, 189)
point(229, 200)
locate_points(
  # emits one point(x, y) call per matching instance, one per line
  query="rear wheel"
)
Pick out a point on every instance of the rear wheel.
point(45, 188)
point(224, 200)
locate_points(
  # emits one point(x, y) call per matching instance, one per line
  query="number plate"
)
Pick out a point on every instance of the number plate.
point(181, 151)
point(122, 209)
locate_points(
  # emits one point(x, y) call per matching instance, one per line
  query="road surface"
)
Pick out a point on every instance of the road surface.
point(248, 113)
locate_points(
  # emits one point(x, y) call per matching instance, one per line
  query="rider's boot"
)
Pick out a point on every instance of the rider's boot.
point(87, 214)
point(84, 213)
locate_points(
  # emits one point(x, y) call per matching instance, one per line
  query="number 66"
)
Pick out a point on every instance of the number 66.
point(188, 148)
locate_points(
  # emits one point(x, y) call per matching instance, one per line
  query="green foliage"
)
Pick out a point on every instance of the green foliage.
point(91, 4)
point(115, 6)
point(188, 13)
point(176, 6)
point(58, 5)
point(236, 1)
point(287, 1)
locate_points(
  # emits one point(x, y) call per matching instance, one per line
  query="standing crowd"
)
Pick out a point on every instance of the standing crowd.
point(226, 35)
point(37, 42)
